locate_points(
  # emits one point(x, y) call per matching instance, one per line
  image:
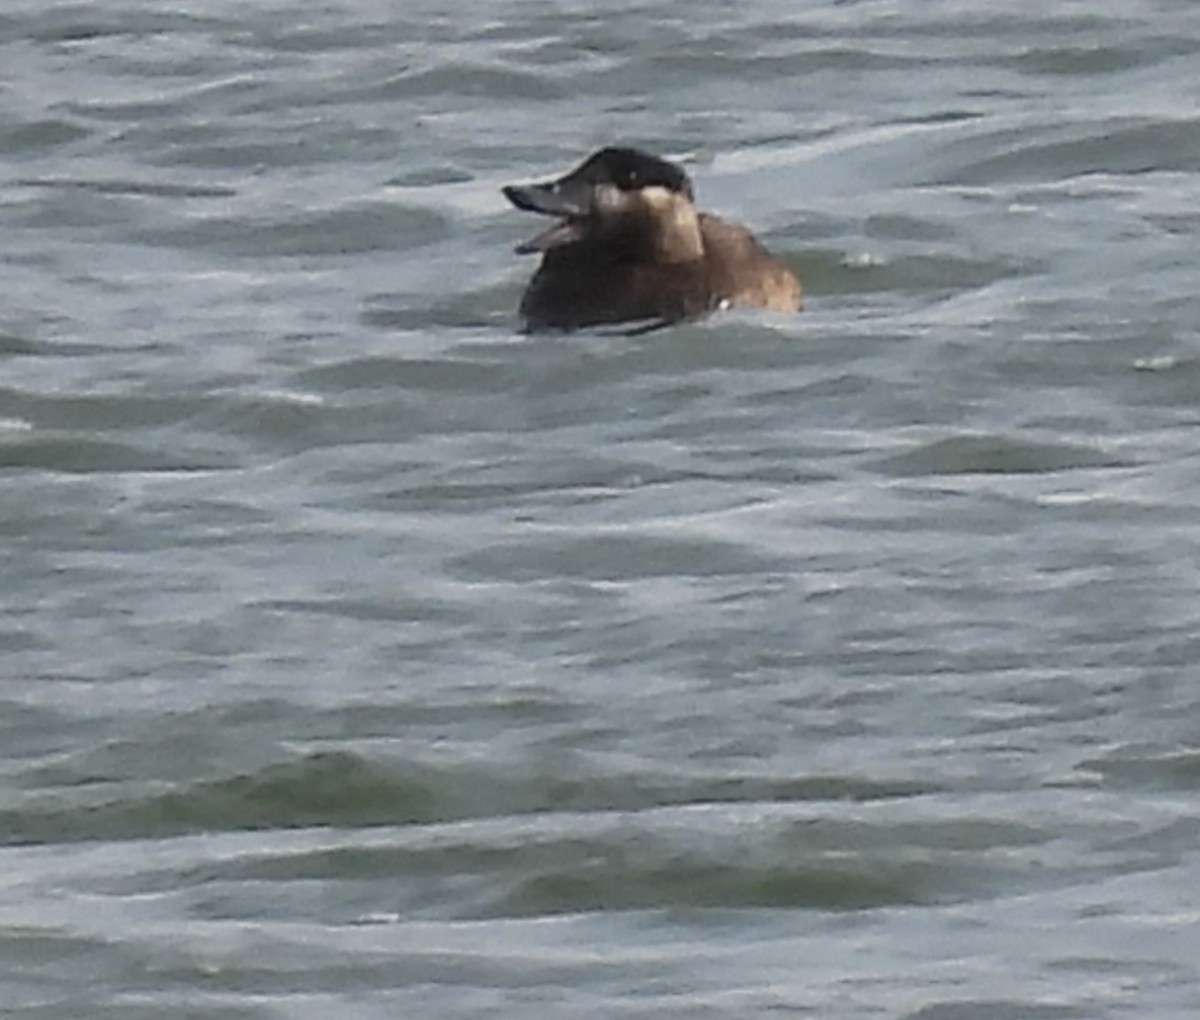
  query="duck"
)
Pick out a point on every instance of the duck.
point(628, 245)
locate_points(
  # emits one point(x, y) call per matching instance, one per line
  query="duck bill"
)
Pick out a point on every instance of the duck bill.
point(568, 200)
point(565, 232)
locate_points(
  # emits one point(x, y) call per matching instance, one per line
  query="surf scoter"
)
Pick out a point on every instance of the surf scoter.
point(629, 245)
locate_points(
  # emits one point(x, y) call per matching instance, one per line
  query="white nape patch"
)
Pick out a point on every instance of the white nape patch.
point(724, 304)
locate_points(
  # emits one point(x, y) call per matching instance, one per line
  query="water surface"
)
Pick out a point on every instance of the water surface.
point(363, 657)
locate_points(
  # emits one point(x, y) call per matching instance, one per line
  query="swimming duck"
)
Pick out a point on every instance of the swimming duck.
point(629, 245)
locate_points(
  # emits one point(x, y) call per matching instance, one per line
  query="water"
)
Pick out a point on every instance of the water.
point(364, 658)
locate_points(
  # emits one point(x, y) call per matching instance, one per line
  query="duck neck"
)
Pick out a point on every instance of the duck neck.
point(676, 234)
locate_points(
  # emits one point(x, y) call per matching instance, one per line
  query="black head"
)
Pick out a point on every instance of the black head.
point(630, 170)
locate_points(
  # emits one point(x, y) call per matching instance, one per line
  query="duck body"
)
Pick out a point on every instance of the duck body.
point(629, 245)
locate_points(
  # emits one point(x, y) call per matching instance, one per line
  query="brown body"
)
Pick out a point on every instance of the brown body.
point(633, 251)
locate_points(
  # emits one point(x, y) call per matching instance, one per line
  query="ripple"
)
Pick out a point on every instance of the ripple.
point(614, 556)
point(78, 455)
point(357, 229)
point(153, 189)
point(1117, 145)
point(995, 454)
point(30, 138)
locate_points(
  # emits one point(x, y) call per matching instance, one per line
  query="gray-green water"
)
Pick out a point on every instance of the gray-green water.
point(362, 658)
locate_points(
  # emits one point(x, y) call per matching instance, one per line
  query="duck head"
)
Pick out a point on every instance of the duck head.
point(622, 199)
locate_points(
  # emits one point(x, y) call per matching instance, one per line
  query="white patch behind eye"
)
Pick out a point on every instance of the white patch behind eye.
point(607, 197)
